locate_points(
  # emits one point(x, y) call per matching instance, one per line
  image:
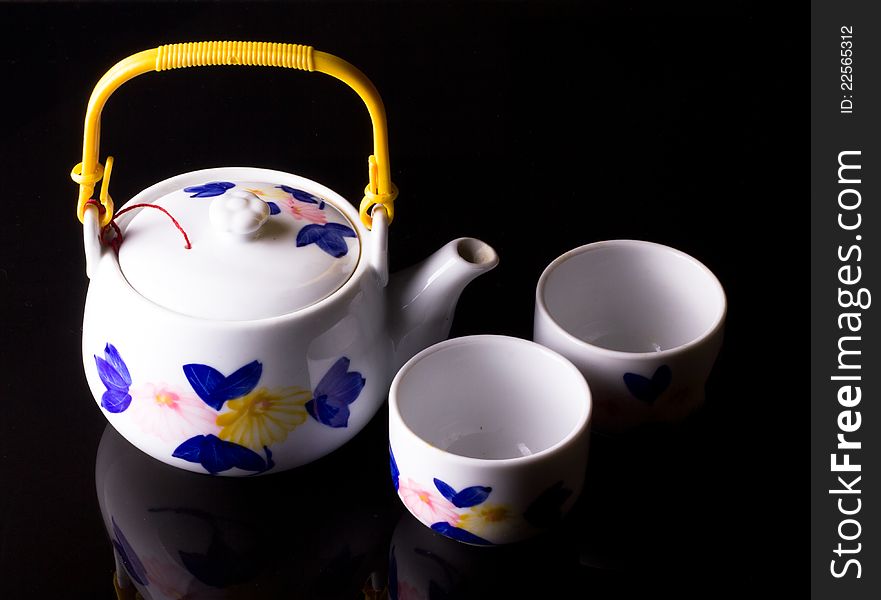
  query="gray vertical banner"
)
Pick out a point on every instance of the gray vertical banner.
point(845, 299)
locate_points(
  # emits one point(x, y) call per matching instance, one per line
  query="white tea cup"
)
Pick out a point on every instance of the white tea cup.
point(488, 438)
point(642, 321)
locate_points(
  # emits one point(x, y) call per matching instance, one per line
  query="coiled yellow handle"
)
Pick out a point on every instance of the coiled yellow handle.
point(262, 54)
point(379, 190)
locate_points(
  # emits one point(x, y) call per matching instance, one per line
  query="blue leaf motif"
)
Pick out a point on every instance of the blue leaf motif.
point(302, 196)
point(329, 237)
point(326, 413)
point(649, 390)
point(212, 457)
point(217, 455)
point(470, 496)
point(115, 401)
point(110, 377)
point(114, 374)
point(190, 450)
point(214, 388)
point(113, 357)
point(333, 394)
point(446, 491)
point(273, 208)
point(460, 534)
point(393, 467)
point(310, 234)
point(130, 560)
point(207, 190)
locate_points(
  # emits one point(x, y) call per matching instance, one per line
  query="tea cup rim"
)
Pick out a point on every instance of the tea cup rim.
point(622, 354)
point(581, 428)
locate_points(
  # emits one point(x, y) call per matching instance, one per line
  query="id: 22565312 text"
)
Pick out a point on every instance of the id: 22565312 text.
point(846, 106)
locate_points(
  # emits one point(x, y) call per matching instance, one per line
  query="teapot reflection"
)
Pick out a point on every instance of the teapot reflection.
point(309, 533)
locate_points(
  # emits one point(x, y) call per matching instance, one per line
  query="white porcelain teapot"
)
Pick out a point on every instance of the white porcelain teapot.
point(247, 322)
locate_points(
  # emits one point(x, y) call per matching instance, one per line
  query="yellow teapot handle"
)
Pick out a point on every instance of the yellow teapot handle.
point(379, 190)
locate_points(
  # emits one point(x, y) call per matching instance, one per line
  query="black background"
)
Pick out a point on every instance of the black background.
point(536, 127)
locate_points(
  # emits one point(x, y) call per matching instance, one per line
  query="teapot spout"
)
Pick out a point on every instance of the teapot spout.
point(422, 299)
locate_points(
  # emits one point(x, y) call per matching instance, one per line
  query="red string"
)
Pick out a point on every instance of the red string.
point(157, 207)
point(117, 238)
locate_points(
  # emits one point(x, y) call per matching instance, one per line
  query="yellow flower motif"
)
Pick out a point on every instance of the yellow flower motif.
point(269, 194)
point(263, 417)
point(484, 518)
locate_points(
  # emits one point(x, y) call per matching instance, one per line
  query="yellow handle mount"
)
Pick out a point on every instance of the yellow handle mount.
point(379, 190)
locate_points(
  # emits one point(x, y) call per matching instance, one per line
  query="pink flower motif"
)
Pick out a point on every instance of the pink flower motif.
point(427, 506)
point(304, 211)
point(171, 414)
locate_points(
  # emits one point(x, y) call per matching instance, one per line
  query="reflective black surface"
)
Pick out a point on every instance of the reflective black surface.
point(677, 136)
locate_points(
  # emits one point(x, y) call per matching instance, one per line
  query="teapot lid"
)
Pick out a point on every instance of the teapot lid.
point(262, 243)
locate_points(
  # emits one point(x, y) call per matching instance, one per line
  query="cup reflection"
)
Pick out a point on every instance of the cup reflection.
point(312, 532)
point(426, 565)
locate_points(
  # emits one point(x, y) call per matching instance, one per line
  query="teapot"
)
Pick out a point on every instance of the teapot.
point(241, 320)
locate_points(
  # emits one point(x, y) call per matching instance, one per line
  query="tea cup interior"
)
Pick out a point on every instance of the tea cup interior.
point(632, 296)
point(492, 397)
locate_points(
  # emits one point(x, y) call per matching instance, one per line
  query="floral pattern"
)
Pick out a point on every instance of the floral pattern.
point(215, 388)
point(329, 238)
point(301, 205)
point(471, 496)
point(466, 515)
point(649, 389)
point(170, 413)
point(334, 393)
point(217, 455)
point(463, 515)
point(115, 376)
point(485, 520)
point(426, 505)
point(467, 498)
point(263, 417)
point(302, 196)
point(305, 212)
point(457, 533)
point(208, 190)
point(227, 421)
point(442, 512)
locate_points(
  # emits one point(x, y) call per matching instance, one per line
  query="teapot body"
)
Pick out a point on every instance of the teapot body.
point(238, 397)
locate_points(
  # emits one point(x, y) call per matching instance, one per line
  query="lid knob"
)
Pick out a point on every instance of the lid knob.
point(238, 212)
